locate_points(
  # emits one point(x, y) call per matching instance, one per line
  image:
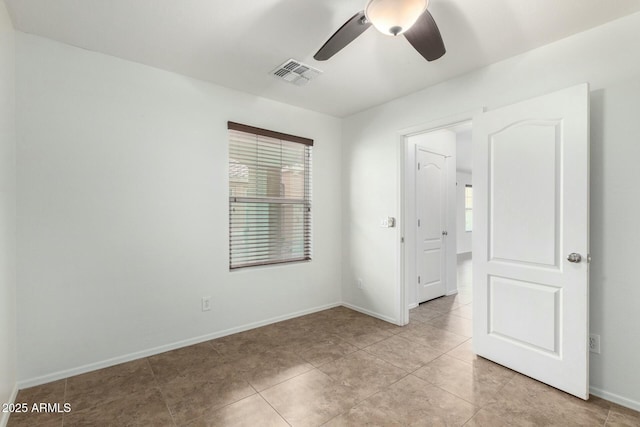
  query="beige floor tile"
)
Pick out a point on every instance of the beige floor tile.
point(187, 361)
point(490, 417)
point(189, 398)
point(361, 379)
point(620, 416)
point(464, 311)
point(523, 401)
point(50, 392)
point(451, 323)
point(271, 367)
point(327, 350)
point(403, 353)
point(47, 393)
point(362, 336)
point(143, 409)
point(233, 347)
point(410, 401)
point(436, 338)
point(296, 337)
point(249, 412)
point(29, 422)
point(477, 383)
point(109, 384)
point(363, 373)
point(446, 304)
point(422, 314)
point(309, 399)
point(464, 352)
point(385, 326)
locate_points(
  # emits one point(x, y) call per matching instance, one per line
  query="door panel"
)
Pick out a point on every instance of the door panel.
point(528, 151)
point(530, 179)
point(431, 211)
point(514, 313)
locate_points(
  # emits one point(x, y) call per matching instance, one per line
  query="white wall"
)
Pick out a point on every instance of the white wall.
point(463, 238)
point(7, 212)
point(609, 59)
point(123, 211)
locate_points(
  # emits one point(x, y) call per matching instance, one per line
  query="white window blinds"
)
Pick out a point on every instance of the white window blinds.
point(269, 197)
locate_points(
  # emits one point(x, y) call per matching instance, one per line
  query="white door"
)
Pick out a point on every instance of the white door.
point(431, 213)
point(531, 202)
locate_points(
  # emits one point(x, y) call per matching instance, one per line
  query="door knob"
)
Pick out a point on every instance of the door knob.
point(574, 257)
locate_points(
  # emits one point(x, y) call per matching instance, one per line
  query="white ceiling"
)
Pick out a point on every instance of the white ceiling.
point(236, 43)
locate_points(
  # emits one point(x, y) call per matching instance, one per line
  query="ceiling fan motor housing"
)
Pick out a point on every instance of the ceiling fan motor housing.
point(393, 17)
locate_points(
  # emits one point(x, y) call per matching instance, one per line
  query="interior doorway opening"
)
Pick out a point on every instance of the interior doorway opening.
point(438, 217)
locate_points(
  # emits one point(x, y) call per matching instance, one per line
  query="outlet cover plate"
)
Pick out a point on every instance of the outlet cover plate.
point(206, 303)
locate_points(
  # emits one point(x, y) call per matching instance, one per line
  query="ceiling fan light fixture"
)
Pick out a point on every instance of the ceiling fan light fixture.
point(394, 17)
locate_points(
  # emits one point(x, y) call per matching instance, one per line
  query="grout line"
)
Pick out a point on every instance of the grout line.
point(64, 400)
point(284, 381)
point(159, 387)
point(606, 420)
point(275, 385)
point(272, 407)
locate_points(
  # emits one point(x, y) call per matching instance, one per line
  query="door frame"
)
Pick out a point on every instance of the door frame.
point(406, 167)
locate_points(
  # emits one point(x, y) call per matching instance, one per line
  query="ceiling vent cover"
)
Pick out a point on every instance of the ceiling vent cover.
point(296, 72)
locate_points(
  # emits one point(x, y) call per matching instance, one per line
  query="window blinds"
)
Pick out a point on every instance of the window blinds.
point(269, 197)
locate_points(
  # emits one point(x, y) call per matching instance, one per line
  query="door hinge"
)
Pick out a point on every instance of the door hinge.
point(418, 166)
point(445, 233)
point(418, 223)
point(418, 279)
point(402, 240)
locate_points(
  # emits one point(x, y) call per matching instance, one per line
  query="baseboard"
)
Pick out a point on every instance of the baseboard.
point(163, 348)
point(615, 398)
point(4, 416)
point(370, 313)
point(453, 292)
point(413, 305)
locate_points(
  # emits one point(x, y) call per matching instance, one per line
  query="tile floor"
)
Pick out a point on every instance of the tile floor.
point(336, 368)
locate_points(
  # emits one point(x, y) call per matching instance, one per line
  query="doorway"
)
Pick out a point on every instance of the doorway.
point(434, 229)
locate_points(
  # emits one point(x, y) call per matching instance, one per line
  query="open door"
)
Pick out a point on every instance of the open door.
point(530, 243)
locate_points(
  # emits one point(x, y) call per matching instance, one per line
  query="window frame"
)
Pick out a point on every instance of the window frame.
point(255, 203)
point(468, 208)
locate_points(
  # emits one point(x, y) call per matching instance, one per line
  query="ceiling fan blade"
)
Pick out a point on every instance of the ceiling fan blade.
point(345, 35)
point(425, 37)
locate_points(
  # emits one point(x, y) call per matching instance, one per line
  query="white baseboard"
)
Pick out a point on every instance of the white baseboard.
point(413, 305)
point(453, 292)
point(31, 382)
point(4, 416)
point(615, 398)
point(370, 313)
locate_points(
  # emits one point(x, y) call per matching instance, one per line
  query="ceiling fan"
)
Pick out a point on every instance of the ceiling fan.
point(391, 17)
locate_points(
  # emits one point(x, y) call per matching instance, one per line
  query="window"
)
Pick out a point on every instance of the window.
point(269, 197)
point(468, 207)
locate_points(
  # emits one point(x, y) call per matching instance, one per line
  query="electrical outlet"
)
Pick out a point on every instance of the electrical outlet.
point(360, 285)
point(594, 343)
point(206, 303)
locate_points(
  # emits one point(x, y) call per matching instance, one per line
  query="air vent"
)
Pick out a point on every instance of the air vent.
point(296, 72)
